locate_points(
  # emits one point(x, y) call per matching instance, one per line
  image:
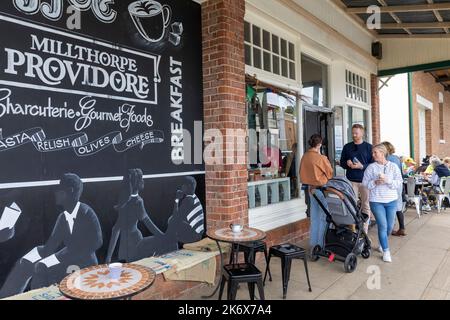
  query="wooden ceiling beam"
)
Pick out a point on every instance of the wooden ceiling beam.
point(420, 25)
point(442, 79)
point(404, 8)
point(415, 36)
point(438, 16)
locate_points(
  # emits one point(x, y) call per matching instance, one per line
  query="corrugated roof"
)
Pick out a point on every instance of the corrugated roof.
point(405, 17)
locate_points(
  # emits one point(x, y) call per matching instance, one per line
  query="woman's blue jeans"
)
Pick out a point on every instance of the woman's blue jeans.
point(318, 220)
point(385, 215)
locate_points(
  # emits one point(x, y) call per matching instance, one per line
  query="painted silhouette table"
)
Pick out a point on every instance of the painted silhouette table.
point(94, 283)
point(228, 236)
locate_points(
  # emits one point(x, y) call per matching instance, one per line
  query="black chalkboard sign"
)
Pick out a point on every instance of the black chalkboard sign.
point(102, 98)
point(97, 88)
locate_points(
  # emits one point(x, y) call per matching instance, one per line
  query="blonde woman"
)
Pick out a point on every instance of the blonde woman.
point(383, 178)
point(400, 216)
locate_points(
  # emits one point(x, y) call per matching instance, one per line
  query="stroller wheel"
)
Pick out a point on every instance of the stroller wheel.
point(366, 252)
point(315, 253)
point(350, 263)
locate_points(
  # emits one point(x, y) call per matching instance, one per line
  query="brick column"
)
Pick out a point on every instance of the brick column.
point(224, 105)
point(375, 100)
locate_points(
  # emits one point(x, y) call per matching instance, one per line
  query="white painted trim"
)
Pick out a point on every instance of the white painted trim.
point(425, 103)
point(358, 104)
point(273, 79)
point(93, 180)
point(277, 215)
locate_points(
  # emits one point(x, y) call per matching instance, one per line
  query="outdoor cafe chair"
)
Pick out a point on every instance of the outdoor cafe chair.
point(445, 188)
point(411, 195)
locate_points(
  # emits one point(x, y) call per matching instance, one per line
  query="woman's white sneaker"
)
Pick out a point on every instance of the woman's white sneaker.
point(387, 256)
point(380, 250)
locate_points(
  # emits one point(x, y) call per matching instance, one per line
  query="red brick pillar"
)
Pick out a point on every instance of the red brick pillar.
point(375, 100)
point(224, 104)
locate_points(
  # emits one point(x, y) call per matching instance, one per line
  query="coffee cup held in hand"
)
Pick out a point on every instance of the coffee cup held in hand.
point(150, 18)
point(236, 228)
point(115, 271)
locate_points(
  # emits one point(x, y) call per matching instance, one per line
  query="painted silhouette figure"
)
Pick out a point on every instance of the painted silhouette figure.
point(185, 225)
point(131, 211)
point(11, 213)
point(75, 238)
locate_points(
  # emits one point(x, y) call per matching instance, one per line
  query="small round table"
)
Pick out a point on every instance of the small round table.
point(94, 283)
point(228, 236)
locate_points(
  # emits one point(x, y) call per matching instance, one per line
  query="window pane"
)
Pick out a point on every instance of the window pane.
point(291, 51)
point(276, 64)
point(256, 36)
point(257, 58)
point(315, 82)
point(284, 48)
point(248, 55)
point(266, 40)
point(292, 70)
point(284, 68)
point(247, 32)
point(357, 116)
point(267, 61)
point(275, 44)
point(273, 154)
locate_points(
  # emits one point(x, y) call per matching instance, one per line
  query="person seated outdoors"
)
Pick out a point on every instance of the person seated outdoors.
point(447, 162)
point(409, 167)
point(430, 168)
point(440, 170)
point(423, 166)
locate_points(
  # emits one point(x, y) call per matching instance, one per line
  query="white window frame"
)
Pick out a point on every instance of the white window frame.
point(269, 77)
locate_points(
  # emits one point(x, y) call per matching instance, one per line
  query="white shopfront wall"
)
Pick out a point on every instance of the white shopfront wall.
point(313, 39)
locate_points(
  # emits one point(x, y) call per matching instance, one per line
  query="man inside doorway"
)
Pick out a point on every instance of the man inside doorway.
point(356, 157)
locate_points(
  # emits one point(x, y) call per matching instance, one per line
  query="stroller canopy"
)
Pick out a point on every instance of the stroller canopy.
point(343, 185)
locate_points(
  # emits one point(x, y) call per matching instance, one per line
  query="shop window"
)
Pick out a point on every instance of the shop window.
point(272, 146)
point(357, 116)
point(315, 82)
point(356, 87)
point(269, 52)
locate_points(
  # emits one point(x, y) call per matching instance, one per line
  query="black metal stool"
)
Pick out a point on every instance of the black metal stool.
point(241, 273)
point(287, 252)
point(250, 249)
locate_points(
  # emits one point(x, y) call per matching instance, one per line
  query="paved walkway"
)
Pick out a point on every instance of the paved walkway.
point(420, 269)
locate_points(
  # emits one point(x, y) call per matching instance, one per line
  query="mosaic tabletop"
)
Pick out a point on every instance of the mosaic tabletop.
point(227, 235)
point(94, 283)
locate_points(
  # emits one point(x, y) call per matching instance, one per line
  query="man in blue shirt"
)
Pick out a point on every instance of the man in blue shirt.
point(355, 158)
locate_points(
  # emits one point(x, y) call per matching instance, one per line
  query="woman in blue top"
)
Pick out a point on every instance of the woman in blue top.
point(383, 178)
point(400, 217)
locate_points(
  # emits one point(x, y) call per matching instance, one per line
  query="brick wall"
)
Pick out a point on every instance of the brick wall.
point(224, 103)
point(375, 101)
point(425, 85)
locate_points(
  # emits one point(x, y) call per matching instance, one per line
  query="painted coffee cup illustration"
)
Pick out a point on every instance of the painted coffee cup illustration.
point(150, 18)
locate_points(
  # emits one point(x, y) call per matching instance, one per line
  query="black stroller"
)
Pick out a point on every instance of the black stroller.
point(345, 237)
